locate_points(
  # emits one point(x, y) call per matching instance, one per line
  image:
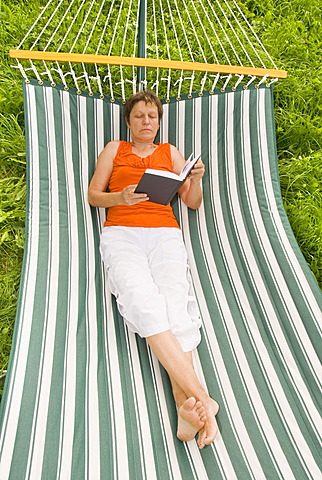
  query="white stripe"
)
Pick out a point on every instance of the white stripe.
point(164, 126)
point(92, 429)
point(18, 372)
point(38, 432)
point(99, 143)
point(197, 123)
point(116, 114)
point(180, 131)
point(65, 449)
point(99, 126)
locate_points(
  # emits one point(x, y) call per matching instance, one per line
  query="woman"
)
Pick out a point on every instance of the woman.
point(143, 251)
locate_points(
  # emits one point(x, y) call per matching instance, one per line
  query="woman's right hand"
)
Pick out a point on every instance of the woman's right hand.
point(130, 198)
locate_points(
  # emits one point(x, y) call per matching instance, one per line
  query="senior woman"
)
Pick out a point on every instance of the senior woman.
point(143, 251)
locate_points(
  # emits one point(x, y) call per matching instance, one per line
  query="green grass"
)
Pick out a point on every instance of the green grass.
point(291, 32)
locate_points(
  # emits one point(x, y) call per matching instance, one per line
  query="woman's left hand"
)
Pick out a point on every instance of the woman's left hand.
point(197, 172)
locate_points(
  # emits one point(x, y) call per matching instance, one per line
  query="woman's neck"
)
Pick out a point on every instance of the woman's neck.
point(143, 147)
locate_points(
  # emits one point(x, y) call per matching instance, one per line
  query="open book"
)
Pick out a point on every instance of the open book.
point(161, 186)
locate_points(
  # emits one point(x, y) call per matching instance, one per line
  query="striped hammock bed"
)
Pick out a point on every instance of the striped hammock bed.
point(85, 398)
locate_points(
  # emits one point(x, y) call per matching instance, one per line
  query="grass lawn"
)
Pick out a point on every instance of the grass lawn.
point(290, 30)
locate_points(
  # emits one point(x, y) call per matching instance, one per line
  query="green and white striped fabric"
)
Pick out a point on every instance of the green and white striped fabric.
point(86, 399)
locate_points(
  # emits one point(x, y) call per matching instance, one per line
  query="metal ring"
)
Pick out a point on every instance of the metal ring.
point(40, 82)
point(66, 88)
point(90, 94)
point(101, 97)
point(211, 92)
point(78, 92)
point(200, 94)
point(167, 100)
point(27, 81)
point(189, 95)
point(112, 100)
point(53, 84)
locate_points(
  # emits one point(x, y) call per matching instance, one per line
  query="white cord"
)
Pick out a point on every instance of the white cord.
point(46, 25)
point(255, 35)
point(94, 26)
point(57, 27)
point(216, 34)
point(33, 25)
point(105, 27)
point(245, 35)
point(236, 36)
point(156, 84)
point(83, 24)
point(168, 78)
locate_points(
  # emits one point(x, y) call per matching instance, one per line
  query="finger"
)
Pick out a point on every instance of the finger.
point(134, 201)
point(130, 188)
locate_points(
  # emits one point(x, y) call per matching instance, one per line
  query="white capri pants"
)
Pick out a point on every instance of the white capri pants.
point(149, 275)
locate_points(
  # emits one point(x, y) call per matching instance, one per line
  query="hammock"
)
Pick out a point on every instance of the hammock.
point(86, 399)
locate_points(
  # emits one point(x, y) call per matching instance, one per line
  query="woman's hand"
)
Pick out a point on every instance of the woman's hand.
point(130, 198)
point(197, 172)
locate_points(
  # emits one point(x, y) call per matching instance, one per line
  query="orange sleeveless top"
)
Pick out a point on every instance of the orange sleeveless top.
point(127, 170)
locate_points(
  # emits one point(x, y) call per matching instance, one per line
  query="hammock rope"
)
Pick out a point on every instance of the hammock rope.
point(209, 43)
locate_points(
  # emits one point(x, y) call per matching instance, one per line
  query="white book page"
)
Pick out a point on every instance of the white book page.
point(163, 173)
point(189, 165)
point(184, 172)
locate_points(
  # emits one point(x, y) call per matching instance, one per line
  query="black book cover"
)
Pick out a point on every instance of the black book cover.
point(158, 188)
point(161, 186)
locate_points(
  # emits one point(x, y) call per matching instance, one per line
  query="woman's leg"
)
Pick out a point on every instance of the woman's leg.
point(169, 268)
point(191, 413)
point(180, 370)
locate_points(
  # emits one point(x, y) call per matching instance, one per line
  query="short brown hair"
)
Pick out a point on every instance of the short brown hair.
point(146, 96)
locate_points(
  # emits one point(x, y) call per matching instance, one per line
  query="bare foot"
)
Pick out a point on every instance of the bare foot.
point(191, 418)
point(208, 433)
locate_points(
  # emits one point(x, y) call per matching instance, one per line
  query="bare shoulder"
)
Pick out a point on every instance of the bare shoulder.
point(104, 167)
point(177, 159)
point(110, 149)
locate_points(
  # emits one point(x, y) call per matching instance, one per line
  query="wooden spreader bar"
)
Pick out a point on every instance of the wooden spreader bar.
point(145, 62)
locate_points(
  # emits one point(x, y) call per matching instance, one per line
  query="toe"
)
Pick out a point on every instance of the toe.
point(189, 404)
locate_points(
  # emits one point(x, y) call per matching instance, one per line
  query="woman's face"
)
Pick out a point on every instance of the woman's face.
point(144, 121)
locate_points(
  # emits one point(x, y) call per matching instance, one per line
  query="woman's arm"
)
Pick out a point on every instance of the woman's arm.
point(97, 195)
point(191, 190)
